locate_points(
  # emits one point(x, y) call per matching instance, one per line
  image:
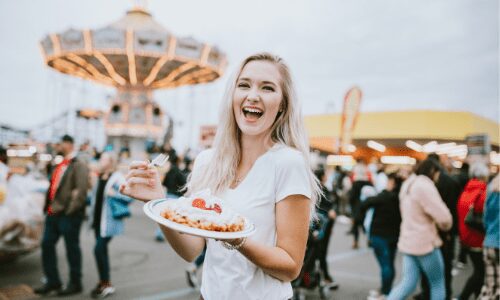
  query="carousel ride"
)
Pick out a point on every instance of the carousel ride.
point(136, 55)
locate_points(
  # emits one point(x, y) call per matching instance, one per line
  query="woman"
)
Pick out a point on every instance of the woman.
point(326, 208)
point(422, 209)
point(491, 217)
point(384, 230)
point(260, 142)
point(102, 221)
point(474, 194)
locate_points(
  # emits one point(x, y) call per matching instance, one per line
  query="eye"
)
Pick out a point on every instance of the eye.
point(268, 88)
point(243, 85)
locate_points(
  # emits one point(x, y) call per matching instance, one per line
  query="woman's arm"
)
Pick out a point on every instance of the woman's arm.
point(428, 195)
point(187, 246)
point(284, 261)
point(143, 183)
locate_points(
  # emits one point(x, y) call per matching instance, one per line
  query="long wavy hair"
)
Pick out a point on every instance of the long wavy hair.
point(288, 129)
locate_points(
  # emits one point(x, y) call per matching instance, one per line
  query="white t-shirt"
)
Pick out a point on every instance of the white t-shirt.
point(227, 274)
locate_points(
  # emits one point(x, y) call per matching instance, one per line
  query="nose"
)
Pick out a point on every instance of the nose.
point(253, 96)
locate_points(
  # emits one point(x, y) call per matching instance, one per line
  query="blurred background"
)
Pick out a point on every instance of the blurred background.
point(381, 82)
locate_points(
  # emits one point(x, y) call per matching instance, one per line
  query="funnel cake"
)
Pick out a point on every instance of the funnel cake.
point(203, 211)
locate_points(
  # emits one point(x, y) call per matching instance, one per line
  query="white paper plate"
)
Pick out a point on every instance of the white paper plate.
point(153, 209)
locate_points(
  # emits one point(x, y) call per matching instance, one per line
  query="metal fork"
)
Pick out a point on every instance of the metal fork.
point(159, 161)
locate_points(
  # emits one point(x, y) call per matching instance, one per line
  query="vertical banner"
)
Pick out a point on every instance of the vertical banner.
point(350, 111)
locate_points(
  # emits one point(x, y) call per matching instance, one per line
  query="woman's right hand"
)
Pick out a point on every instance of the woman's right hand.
point(143, 182)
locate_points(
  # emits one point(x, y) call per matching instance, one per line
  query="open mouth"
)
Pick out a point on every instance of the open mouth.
point(252, 113)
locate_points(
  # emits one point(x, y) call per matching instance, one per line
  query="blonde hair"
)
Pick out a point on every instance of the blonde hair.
point(287, 129)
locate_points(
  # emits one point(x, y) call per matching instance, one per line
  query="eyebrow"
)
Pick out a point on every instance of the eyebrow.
point(264, 82)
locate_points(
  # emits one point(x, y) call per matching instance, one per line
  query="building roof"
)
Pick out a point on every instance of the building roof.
point(402, 125)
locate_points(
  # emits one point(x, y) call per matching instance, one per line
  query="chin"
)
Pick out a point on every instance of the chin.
point(252, 131)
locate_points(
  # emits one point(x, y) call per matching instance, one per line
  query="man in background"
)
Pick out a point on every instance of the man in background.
point(65, 210)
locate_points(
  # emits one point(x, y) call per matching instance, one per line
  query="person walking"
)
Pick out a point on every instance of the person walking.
point(384, 231)
point(327, 209)
point(422, 212)
point(65, 210)
point(260, 142)
point(105, 220)
point(449, 190)
point(473, 197)
point(361, 177)
point(491, 218)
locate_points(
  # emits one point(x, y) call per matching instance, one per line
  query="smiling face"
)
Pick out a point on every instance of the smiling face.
point(257, 97)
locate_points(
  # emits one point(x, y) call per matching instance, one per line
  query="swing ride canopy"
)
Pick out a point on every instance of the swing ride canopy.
point(134, 52)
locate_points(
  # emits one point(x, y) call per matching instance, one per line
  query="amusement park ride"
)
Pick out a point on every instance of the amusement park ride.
point(136, 55)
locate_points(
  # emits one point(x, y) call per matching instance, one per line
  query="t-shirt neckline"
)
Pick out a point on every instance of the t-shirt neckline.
point(253, 167)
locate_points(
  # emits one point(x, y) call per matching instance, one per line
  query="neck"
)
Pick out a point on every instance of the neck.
point(254, 146)
point(70, 155)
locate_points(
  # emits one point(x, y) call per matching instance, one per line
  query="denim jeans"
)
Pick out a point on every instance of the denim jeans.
point(385, 252)
point(69, 228)
point(201, 258)
point(101, 257)
point(433, 267)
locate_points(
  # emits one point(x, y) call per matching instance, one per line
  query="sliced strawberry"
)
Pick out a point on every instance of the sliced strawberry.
point(217, 208)
point(199, 203)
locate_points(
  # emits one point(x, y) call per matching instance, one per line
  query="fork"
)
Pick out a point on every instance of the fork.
point(159, 161)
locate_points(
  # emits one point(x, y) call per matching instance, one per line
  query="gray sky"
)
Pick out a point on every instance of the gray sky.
point(424, 54)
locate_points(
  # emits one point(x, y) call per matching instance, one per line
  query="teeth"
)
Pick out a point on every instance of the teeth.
point(252, 110)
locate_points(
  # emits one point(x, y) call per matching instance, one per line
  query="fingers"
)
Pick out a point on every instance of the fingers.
point(140, 180)
point(139, 165)
point(143, 173)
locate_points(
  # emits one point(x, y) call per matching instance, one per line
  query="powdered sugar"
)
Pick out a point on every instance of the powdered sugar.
point(183, 206)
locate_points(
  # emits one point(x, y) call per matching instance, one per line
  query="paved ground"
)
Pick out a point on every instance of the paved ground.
point(145, 269)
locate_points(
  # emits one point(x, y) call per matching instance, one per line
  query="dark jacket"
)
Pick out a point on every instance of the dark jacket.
point(355, 194)
point(386, 218)
point(449, 190)
point(72, 191)
point(325, 202)
point(174, 181)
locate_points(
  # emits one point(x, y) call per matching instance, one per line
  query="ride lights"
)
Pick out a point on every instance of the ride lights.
point(19, 153)
point(342, 160)
point(445, 148)
point(375, 146)
point(398, 160)
point(430, 147)
point(414, 146)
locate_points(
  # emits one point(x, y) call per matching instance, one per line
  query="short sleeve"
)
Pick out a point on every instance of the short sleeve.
point(200, 163)
point(292, 175)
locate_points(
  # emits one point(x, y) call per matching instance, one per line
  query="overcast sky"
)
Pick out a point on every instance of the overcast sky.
point(422, 54)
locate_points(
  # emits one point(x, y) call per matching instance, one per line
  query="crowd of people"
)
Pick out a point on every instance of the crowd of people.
point(421, 212)
point(424, 213)
point(84, 188)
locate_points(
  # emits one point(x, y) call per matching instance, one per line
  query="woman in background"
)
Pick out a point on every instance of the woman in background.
point(422, 211)
point(102, 221)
